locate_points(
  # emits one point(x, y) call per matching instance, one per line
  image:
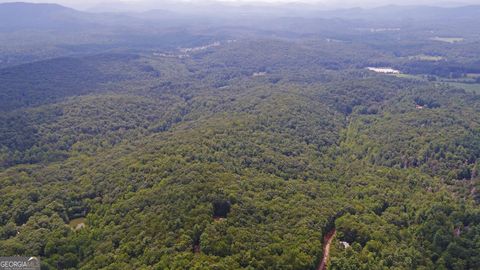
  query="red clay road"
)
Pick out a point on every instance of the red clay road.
point(326, 249)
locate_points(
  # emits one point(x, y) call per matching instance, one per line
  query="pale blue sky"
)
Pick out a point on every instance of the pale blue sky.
point(85, 4)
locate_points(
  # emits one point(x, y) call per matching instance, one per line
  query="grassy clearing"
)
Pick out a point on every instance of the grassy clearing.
point(77, 223)
point(473, 87)
point(470, 87)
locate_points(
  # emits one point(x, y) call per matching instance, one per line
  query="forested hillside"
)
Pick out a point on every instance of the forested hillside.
point(241, 150)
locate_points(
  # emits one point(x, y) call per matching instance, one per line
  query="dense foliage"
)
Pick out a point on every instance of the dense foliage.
point(242, 155)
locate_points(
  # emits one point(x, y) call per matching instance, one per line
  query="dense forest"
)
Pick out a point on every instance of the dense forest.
point(172, 148)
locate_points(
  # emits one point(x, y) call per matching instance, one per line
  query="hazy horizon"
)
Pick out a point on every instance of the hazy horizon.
point(120, 5)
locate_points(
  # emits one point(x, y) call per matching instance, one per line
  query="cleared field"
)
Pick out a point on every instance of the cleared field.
point(473, 75)
point(385, 70)
point(425, 57)
point(448, 39)
point(409, 76)
point(473, 87)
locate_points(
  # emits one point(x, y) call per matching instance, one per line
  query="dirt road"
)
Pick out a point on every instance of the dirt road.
point(327, 241)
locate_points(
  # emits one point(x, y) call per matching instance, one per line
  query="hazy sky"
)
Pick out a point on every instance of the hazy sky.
point(85, 4)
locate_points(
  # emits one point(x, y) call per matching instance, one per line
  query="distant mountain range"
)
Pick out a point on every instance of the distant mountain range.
point(30, 16)
point(21, 16)
point(393, 12)
point(18, 16)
